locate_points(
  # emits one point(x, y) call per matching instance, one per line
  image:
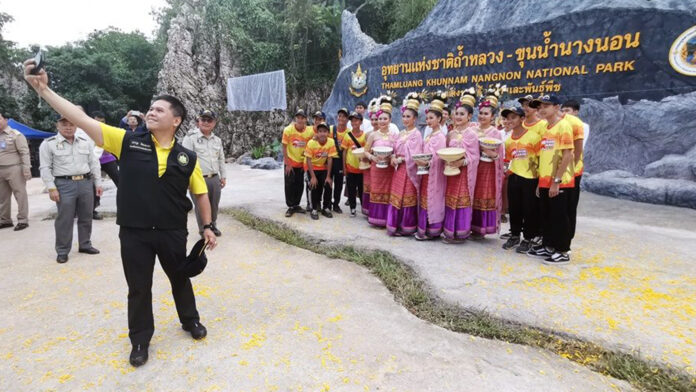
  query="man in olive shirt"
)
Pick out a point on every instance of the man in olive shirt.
point(71, 172)
point(211, 155)
point(152, 206)
point(15, 171)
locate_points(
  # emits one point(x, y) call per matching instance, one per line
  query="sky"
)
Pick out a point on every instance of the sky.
point(56, 22)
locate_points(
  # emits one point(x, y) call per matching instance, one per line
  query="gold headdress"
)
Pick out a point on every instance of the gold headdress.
point(493, 94)
point(439, 101)
point(468, 98)
point(412, 101)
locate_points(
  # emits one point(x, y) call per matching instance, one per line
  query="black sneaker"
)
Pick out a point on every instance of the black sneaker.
point(97, 216)
point(557, 259)
point(300, 210)
point(540, 251)
point(353, 212)
point(506, 235)
point(327, 213)
point(337, 209)
point(347, 203)
point(289, 212)
point(216, 231)
point(524, 247)
point(197, 330)
point(512, 242)
point(314, 214)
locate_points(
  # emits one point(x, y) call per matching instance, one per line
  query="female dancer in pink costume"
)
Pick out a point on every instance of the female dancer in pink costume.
point(460, 189)
point(380, 178)
point(488, 199)
point(402, 215)
point(431, 214)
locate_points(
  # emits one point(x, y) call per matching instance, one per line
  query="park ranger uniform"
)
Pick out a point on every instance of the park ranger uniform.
point(14, 165)
point(72, 169)
point(211, 156)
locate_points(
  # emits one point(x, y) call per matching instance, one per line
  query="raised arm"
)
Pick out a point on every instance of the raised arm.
point(61, 105)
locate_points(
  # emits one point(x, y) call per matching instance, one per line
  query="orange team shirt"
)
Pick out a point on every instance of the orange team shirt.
point(539, 127)
point(339, 135)
point(352, 162)
point(578, 134)
point(296, 143)
point(320, 153)
point(523, 154)
point(553, 142)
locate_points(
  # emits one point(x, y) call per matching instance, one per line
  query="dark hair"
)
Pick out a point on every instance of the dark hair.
point(436, 113)
point(415, 113)
point(493, 110)
point(98, 114)
point(571, 103)
point(175, 105)
point(447, 109)
point(468, 108)
point(361, 103)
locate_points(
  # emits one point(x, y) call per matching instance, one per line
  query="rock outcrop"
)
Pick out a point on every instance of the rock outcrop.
point(196, 68)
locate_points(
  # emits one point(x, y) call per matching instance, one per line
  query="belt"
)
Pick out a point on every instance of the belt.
point(75, 178)
point(210, 175)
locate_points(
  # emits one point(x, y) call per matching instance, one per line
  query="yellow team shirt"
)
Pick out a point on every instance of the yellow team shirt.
point(113, 141)
point(553, 142)
point(339, 135)
point(296, 143)
point(352, 162)
point(319, 153)
point(539, 127)
point(578, 134)
point(523, 154)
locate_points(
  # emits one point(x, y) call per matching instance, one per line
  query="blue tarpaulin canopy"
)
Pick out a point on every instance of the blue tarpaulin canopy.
point(28, 132)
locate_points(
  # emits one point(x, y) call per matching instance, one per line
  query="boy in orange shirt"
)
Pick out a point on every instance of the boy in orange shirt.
point(354, 177)
point(295, 138)
point(319, 155)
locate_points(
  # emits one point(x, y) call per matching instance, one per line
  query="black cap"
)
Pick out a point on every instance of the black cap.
point(207, 113)
point(552, 99)
point(196, 260)
point(355, 115)
point(517, 110)
point(526, 98)
point(322, 125)
point(319, 114)
point(300, 112)
point(344, 111)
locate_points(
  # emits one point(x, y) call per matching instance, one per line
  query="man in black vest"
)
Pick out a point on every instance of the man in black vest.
point(156, 173)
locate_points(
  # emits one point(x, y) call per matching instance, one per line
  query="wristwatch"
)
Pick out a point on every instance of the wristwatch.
point(208, 226)
point(557, 180)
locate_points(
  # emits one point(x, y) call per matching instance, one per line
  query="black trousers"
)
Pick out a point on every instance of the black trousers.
point(138, 250)
point(354, 183)
point(574, 199)
point(523, 206)
point(294, 186)
point(337, 177)
point(554, 219)
point(111, 168)
point(321, 191)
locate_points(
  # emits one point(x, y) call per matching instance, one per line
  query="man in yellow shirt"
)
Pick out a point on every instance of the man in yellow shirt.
point(556, 181)
point(295, 138)
point(522, 151)
point(531, 116)
point(356, 138)
point(580, 132)
point(319, 156)
point(152, 206)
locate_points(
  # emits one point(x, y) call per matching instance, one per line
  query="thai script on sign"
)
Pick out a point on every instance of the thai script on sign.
point(521, 55)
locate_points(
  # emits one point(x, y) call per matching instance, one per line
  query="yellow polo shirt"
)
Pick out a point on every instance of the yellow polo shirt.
point(113, 141)
point(296, 143)
point(578, 134)
point(523, 154)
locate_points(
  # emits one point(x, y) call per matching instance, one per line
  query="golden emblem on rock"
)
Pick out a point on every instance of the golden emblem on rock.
point(358, 82)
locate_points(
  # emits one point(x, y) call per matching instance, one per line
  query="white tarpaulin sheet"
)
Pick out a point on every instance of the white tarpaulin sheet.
point(259, 92)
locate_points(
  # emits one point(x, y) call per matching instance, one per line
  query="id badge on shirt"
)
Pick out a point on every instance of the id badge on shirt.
point(3, 144)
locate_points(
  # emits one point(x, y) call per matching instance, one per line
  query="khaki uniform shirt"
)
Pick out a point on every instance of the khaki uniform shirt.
point(14, 149)
point(59, 157)
point(209, 149)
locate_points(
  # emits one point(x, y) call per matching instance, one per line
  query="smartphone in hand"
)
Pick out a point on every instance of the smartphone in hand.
point(39, 62)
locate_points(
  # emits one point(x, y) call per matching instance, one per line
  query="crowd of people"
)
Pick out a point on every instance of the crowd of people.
point(525, 161)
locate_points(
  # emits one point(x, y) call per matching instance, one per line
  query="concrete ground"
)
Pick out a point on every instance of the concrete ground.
point(631, 284)
point(279, 319)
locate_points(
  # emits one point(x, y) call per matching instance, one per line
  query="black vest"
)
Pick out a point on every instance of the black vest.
point(145, 200)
